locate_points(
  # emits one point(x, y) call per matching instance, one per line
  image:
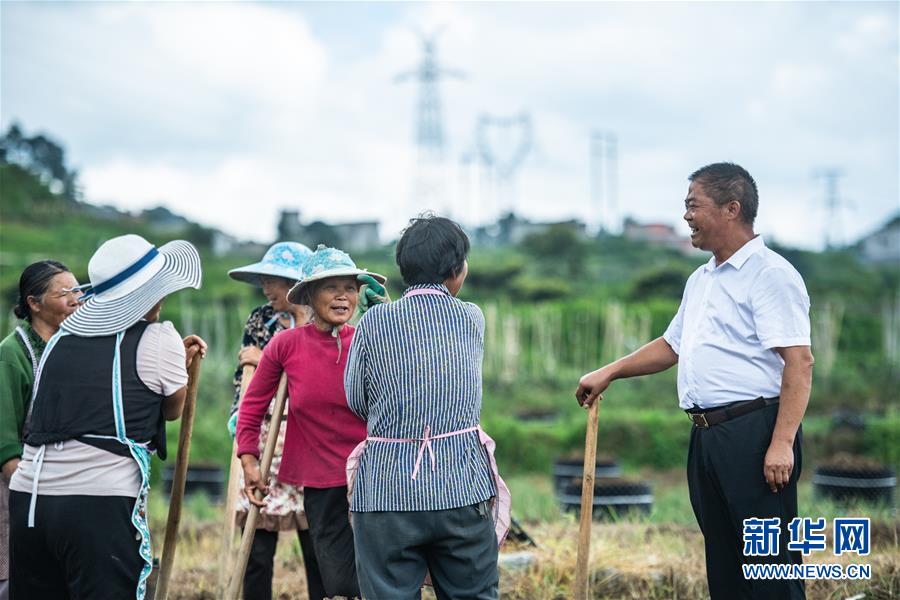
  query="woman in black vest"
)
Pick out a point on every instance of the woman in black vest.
point(106, 383)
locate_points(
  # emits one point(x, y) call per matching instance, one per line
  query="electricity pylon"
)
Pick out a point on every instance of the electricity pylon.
point(429, 185)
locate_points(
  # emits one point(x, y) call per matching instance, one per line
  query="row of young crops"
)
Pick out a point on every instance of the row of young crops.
point(537, 341)
point(534, 354)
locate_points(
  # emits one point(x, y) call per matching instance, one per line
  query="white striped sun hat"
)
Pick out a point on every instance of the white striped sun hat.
point(129, 275)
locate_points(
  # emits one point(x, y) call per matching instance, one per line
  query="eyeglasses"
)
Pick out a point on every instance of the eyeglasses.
point(67, 292)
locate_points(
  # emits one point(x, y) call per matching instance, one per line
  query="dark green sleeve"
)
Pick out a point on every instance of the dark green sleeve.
point(15, 393)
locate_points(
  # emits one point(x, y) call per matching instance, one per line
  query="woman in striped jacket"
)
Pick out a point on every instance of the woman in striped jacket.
point(426, 496)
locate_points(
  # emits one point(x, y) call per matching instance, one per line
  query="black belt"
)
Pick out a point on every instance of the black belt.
point(707, 418)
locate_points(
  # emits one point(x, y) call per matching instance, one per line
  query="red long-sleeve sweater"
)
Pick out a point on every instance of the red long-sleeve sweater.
point(321, 430)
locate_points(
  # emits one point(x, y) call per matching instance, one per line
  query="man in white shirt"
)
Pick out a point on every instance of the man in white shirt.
point(741, 340)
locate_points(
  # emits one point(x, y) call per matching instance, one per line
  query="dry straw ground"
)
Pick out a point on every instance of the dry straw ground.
point(628, 561)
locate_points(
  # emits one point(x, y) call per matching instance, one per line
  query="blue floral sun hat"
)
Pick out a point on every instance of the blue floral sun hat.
point(283, 259)
point(325, 263)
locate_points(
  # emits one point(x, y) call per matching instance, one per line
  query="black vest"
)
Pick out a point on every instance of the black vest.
point(74, 396)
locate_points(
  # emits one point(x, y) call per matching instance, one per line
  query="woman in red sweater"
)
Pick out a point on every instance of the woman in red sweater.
point(321, 429)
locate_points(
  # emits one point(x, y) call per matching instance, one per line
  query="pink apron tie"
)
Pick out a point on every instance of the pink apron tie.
point(500, 507)
point(425, 445)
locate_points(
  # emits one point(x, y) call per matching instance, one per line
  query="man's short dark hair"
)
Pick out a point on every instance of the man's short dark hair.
point(726, 182)
point(431, 250)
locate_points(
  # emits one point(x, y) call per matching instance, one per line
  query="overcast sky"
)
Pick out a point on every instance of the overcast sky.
point(228, 112)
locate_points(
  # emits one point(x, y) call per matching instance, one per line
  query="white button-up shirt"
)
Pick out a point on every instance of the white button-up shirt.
point(730, 320)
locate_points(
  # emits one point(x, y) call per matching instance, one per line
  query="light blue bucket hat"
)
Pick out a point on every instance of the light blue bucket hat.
point(324, 263)
point(283, 259)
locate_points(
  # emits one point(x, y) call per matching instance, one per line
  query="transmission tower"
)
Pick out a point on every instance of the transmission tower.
point(604, 171)
point(503, 145)
point(429, 185)
point(834, 205)
point(517, 147)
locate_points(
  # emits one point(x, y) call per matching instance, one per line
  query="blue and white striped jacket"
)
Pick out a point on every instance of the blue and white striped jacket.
point(416, 362)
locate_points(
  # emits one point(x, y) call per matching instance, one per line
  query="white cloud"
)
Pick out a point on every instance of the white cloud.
point(869, 32)
point(791, 81)
point(229, 111)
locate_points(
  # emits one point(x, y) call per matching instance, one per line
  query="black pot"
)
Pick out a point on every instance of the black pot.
point(847, 484)
point(847, 418)
point(538, 415)
point(569, 471)
point(207, 479)
point(612, 498)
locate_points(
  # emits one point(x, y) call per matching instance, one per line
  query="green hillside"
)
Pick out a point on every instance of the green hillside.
point(557, 305)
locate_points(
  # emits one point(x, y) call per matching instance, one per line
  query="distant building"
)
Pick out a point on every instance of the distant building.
point(251, 248)
point(289, 227)
point(357, 237)
point(657, 234)
point(223, 243)
point(164, 220)
point(105, 212)
point(511, 230)
point(352, 237)
point(883, 245)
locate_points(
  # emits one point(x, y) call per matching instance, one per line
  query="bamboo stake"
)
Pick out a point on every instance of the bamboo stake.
point(226, 555)
point(237, 574)
point(587, 503)
point(178, 480)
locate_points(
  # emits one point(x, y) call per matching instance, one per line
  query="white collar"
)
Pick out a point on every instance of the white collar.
point(737, 260)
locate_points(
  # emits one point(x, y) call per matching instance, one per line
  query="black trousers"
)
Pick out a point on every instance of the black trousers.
point(328, 514)
point(261, 566)
point(457, 546)
point(727, 485)
point(81, 547)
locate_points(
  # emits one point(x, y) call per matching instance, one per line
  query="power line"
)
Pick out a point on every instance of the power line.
point(834, 206)
point(504, 144)
point(428, 184)
point(604, 180)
